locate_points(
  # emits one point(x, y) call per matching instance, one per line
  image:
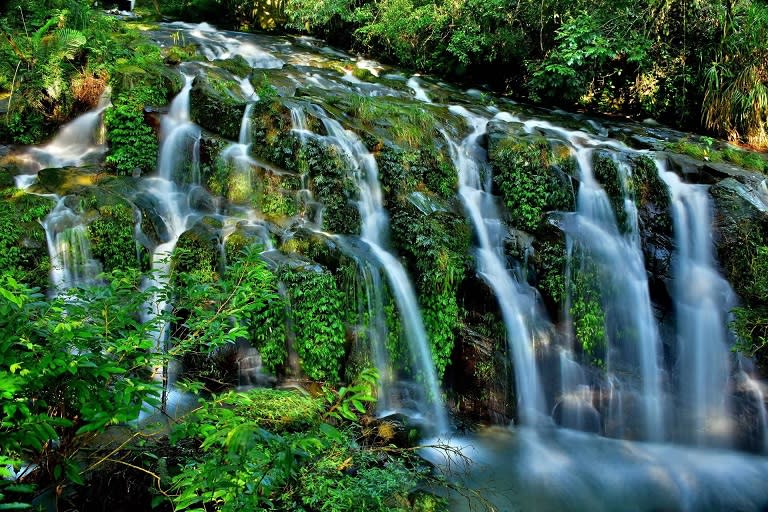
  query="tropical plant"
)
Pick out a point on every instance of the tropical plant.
point(736, 90)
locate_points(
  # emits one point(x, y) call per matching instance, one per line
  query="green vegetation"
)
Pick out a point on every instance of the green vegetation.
point(23, 253)
point(57, 57)
point(111, 237)
point(699, 64)
point(606, 171)
point(587, 313)
point(69, 370)
point(436, 246)
point(705, 150)
point(409, 125)
point(317, 320)
point(529, 178)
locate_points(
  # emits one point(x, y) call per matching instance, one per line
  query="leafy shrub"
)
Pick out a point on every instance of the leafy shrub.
point(316, 314)
point(111, 237)
point(23, 251)
point(69, 369)
point(132, 142)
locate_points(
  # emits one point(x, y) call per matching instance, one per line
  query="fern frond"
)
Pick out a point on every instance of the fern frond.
point(66, 42)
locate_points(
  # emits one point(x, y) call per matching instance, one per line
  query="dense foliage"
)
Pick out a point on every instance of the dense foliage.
point(701, 64)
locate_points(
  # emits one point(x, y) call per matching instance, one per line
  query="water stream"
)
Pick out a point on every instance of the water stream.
point(516, 301)
point(374, 232)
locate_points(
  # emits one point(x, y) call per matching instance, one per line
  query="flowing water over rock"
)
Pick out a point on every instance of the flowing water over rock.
point(657, 411)
point(516, 301)
point(374, 232)
point(71, 261)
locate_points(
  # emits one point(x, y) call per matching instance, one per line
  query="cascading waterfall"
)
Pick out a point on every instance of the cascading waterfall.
point(516, 303)
point(686, 393)
point(631, 331)
point(69, 248)
point(702, 301)
point(374, 231)
point(79, 142)
point(179, 148)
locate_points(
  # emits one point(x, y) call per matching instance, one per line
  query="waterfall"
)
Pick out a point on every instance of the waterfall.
point(374, 231)
point(517, 302)
point(631, 331)
point(69, 248)
point(77, 143)
point(702, 302)
point(418, 91)
point(180, 138)
point(237, 154)
point(178, 147)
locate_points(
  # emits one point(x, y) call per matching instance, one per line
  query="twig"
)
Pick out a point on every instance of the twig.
point(13, 88)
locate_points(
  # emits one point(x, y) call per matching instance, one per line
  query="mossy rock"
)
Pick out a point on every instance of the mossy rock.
point(653, 202)
point(216, 106)
point(275, 195)
point(404, 171)
point(549, 261)
point(111, 235)
point(153, 229)
point(741, 228)
point(68, 180)
point(333, 186)
point(197, 250)
point(165, 82)
point(530, 179)
point(480, 375)
point(607, 172)
point(245, 235)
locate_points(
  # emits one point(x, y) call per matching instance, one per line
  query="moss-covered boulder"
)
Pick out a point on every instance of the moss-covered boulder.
point(216, 104)
point(652, 199)
point(198, 250)
point(530, 179)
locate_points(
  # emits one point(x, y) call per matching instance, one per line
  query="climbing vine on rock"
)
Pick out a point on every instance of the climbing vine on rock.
point(316, 313)
point(526, 174)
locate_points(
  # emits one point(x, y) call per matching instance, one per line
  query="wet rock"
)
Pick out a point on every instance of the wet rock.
point(393, 429)
point(216, 105)
point(66, 181)
point(199, 249)
point(741, 227)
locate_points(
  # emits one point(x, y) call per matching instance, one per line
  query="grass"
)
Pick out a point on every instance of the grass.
point(705, 151)
point(410, 125)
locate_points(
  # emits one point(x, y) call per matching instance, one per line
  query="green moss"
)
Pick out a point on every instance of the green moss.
point(275, 195)
point(317, 319)
point(402, 171)
point(705, 150)
point(436, 248)
point(214, 105)
point(530, 181)
point(196, 253)
point(587, 313)
point(237, 65)
point(606, 172)
point(746, 159)
point(549, 260)
point(408, 124)
point(646, 185)
point(332, 185)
